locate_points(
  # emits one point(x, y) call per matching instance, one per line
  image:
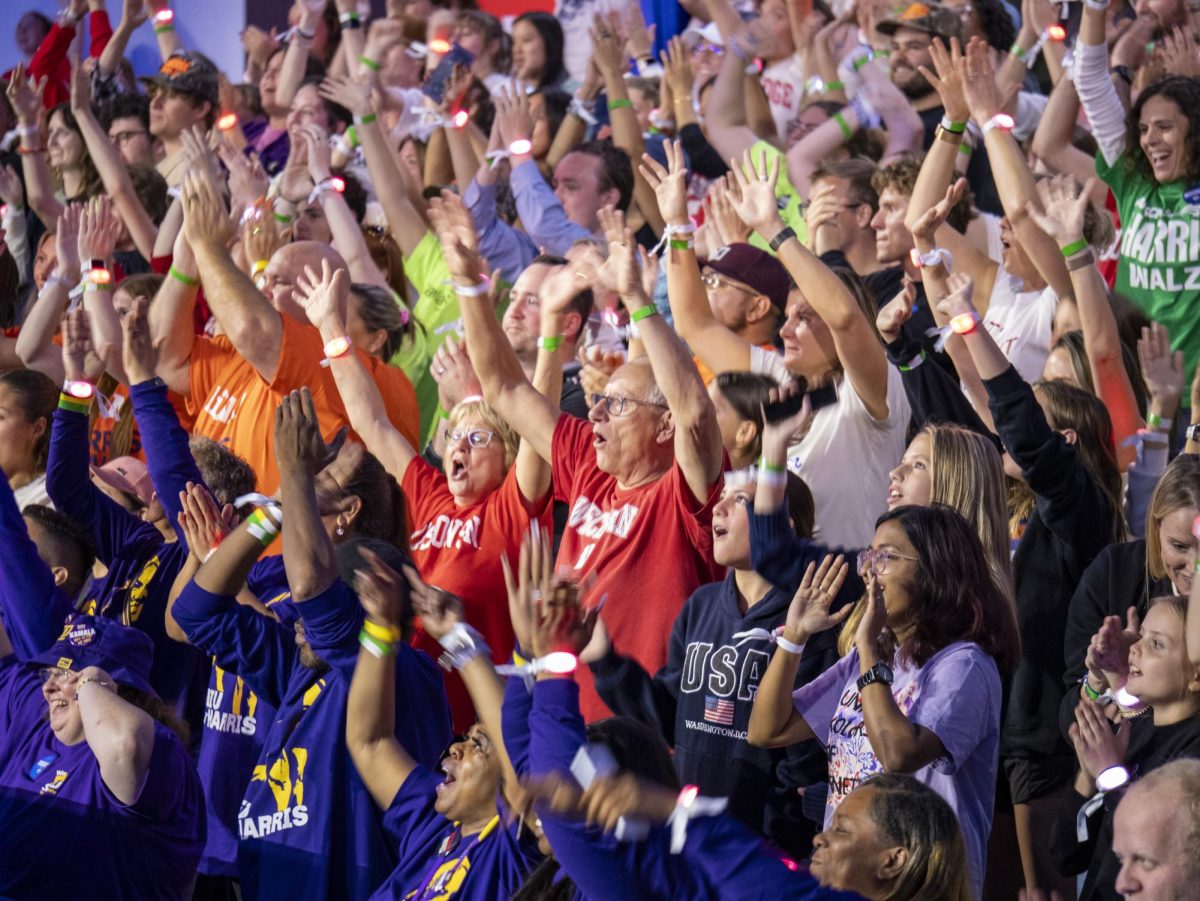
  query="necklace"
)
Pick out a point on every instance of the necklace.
point(449, 846)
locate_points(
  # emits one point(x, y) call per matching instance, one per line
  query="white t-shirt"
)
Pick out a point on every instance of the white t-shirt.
point(846, 456)
point(33, 493)
point(783, 83)
point(575, 17)
point(1021, 323)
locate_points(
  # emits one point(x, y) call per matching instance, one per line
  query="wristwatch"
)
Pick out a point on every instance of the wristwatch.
point(880, 672)
point(1193, 432)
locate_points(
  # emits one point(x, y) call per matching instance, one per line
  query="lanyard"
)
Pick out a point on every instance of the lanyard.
point(422, 893)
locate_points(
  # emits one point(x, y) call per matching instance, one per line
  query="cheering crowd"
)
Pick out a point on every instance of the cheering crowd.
point(736, 449)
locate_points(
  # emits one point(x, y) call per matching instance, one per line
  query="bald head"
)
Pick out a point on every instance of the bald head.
point(286, 266)
point(1156, 835)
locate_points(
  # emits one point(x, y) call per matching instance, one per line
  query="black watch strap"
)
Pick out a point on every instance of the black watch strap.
point(778, 240)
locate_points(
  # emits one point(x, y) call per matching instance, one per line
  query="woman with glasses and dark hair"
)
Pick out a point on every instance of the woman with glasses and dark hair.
point(466, 517)
point(923, 678)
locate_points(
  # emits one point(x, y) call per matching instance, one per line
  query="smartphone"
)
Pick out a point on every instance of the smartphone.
point(824, 396)
point(435, 85)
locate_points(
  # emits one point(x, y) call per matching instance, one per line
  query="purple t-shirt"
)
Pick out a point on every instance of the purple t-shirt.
point(956, 696)
point(494, 867)
point(65, 834)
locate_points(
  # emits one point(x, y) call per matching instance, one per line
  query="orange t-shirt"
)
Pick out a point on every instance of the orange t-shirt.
point(233, 404)
point(459, 549)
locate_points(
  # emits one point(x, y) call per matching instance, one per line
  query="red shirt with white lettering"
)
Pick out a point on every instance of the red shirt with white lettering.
point(650, 548)
point(459, 549)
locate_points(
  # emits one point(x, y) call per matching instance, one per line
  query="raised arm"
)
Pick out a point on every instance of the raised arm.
point(295, 58)
point(165, 35)
point(35, 342)
point(172, 316)
point(98, 229)
point(1014, 180)
point(133, 14)
point(1100, 100)
point(1062, 222)
point(697, 439)
point(858, 347)
point(1052, 142)
point(725, 123)
point(25, 97)
point(326, 304)
point(381, 760)
point(406, 222)
point(718, 347)
point(245, 315)
point(117, 183)
point(774, 721)
point(301, 453)
point(504, 384)
point(120, 734)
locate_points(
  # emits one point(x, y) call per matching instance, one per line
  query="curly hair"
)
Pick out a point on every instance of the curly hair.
point(1184, 92)
point(901, 176)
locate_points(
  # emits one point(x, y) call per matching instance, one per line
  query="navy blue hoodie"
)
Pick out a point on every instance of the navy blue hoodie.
point(700, 703)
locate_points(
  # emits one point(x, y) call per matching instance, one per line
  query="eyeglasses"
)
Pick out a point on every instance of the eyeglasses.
point(703, 49)
point(55, 674)
point(876, 561)
point(476, 438)
point(617, 405)
point(124, 137)
point(712, 281)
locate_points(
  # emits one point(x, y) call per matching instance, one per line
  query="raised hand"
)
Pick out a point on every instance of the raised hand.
point(259, 45)
point(460, 242)
point(380, 590)
point(25, 95)
point(98, 229)
point(1108, 652)
point(529, 585)
point(352, 93)
point(319, 153)
point(81, 88)
point(606, 48)
point(1179, 53)
point(669, 184)
point(1097, 746)
point(979, 82)
point(1162, 368)
point(639, 40)
point(960, 288)
point(719, 210)
point(926, 226)
point(677, 70)
point(133, 14)
point(260, 235)
point(203, 521)
point(620, 272)
point(947, 80)
point(897, 311)
point(206, 220)
point(198, 154)
point(80, 361)
point(66, 241)
point(597, 367)
point(298, 442)
point(247, 179)
point(1065, 206)
point(756, 202)
point(513, 117)
point(325, 297)
point(139, 352)
point(455, 376)
point(440, 611)
point(809, 613)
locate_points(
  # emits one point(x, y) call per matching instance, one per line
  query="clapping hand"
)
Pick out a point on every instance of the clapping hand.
point(455, 376)
point(25, 95)
point(1097, 746)
point(874, 620)
point(140, 353)
point(203, 522)
point(206, 220)
point(80, 361)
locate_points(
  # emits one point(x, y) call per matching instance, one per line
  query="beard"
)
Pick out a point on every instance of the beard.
point(310, 660)
point(915, 87)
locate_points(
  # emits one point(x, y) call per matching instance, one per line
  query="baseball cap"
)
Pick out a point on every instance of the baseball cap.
point(128, 475)
point(754, 268)
point(931, 18)
point(188, 73)
point(707, 32)
point(121, 651)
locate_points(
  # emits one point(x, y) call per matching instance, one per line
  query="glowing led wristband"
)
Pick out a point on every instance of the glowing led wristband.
point(689, 805)
point(263, 526)
point(336, 348)
point(1112, 778)
point(1126, 699)
point(460, 119)
point(97, 280)
point(643, 313)
point(325, 185)
point(79, 389)
point(1003, 121)
point(964, 323)
point(164, 20)
point(520, 147)
point(227, 122)
point(440, 46)
point(1196, 530)
point(558, 662)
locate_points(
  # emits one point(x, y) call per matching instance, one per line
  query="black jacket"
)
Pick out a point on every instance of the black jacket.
point(1073, 520)
point(1150, 747)
point(700, 703)
point(1117, 580)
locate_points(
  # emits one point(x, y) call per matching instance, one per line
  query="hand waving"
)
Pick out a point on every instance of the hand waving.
point(460, 241)
point(809, 610)
point(948, 80)
point(670, 184)
point(1064, 204)
point(755, 202)
point(1162, 368)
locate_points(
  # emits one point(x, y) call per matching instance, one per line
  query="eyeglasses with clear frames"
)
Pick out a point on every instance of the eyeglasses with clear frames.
point(476, 438)
point(877, 560)
point(615, 405)
point(55, 674)
point(123, 137)
point(712, 281)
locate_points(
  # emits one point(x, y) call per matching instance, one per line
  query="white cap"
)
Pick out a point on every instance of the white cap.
point(709, 33)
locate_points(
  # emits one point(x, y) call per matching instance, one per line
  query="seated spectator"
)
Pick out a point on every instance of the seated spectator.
point(1154, 833)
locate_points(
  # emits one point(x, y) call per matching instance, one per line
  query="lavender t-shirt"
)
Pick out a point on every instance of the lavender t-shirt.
point(956, 696)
